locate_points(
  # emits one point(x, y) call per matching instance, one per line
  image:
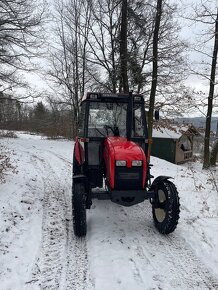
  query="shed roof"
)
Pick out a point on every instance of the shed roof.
point(174, 132)
point(166, 133)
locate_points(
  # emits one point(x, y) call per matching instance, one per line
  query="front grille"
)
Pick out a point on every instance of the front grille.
point(128, 178)
point(128, 175)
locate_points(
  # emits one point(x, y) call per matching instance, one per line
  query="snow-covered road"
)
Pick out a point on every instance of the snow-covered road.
point(122, 249)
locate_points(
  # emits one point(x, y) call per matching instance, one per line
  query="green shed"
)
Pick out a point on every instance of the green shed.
point(174, 145)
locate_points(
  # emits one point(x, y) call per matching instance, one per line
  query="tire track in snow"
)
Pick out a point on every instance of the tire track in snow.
point(149, 259)
point(174, 259)
point(62, 262)
point(169, 261)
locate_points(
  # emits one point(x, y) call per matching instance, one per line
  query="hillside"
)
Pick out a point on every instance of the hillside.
point(199, 122)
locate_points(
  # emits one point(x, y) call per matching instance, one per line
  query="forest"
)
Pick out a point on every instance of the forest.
point(73, 47)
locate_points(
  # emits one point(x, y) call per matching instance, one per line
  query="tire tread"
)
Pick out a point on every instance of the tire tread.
point(172, 216)
point(79, 210)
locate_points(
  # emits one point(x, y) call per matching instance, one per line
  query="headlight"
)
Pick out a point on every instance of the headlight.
point(120, 163)
point(136, 163)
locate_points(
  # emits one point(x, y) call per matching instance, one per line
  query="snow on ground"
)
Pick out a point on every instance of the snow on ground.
point(122, 249)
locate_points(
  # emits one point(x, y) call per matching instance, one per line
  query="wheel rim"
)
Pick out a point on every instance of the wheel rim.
point(160, 212)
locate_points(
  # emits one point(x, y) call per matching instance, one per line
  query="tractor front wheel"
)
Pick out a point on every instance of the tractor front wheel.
point(79, 209)
point(165, 207)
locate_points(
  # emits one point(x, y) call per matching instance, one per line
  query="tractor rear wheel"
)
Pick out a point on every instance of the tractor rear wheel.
point(76, 166)
point(165, 207)
point(79, 209)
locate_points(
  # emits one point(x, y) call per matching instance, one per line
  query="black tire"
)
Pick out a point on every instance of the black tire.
point(76, 166)
point(165, 208)
point(79, 209)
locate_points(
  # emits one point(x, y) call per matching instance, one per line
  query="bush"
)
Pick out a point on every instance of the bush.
point(7, 134)
point(6, 164)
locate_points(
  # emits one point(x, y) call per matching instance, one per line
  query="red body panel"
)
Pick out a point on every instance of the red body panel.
point(79, 151)
point(118, 148)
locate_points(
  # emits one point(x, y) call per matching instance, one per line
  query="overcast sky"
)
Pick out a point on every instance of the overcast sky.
point(190, 32)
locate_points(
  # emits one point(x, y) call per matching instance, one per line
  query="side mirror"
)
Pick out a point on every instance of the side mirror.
point(157, 115)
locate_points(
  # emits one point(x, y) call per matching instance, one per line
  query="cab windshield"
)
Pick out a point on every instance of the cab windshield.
point(110, 119)
point(105, 118)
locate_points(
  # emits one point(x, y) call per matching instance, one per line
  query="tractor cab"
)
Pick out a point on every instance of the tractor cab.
point(106, 116)
point(111, 115)
point(111, 154)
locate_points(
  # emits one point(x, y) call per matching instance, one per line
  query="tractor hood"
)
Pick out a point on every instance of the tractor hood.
point(119, 148)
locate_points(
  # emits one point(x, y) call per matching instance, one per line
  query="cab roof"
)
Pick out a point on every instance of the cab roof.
point(113, 97)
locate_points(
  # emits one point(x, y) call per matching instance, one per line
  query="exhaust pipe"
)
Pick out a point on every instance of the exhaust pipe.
point(129, 117)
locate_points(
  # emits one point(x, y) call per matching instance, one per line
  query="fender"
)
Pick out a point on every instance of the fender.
point(157, 180)
point(79, 151)
point(79, 178)
point(151, 193)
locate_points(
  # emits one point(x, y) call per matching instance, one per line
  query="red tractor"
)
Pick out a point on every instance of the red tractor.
point(111, 151)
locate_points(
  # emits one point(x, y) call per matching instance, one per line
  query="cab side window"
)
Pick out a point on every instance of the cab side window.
point(138, 122)
point(81, 120)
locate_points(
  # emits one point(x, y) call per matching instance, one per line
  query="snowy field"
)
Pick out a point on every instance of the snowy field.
point(122, 250)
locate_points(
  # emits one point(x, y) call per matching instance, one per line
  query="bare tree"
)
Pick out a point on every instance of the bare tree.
point(206, 163)
point(206, 46)
point(95, 50)
point(68, 59)
point(103, 44)
point(20, 31)
point(140, 33)
point(123, 47)
point(171, 93)
point(214, 153)
point(155, 68)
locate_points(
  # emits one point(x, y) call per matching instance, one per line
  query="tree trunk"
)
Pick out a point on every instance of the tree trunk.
point(76, 95)
point(84, 54)
point(113, 78)
point(123, 47)
point(155, 70)
point(206, 163)
point(214, 153)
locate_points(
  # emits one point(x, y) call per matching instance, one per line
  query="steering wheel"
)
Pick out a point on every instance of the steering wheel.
point(99, 132)
point(115, 130)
